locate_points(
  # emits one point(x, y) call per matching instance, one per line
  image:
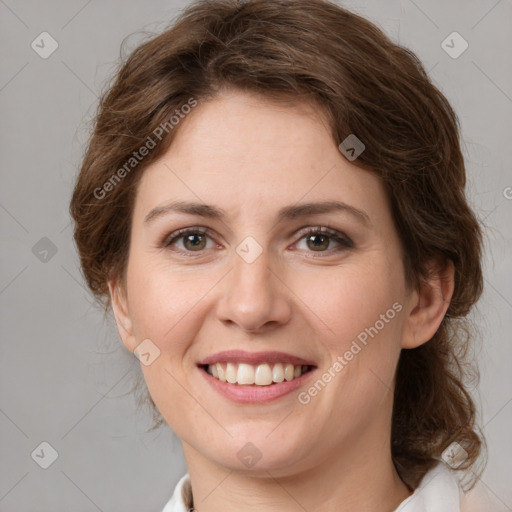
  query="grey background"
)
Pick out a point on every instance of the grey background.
point(64, 375)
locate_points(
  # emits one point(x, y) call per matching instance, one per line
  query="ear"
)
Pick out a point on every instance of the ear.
point(427, 307)
point(119, 301)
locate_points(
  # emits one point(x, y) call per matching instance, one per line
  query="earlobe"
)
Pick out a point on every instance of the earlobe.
point(428, 305)
point(119, 303)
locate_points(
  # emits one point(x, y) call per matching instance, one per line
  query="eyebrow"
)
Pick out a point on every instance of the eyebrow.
point(286, 213)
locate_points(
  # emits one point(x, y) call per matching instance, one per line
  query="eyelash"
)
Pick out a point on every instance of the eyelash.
point(343, 240)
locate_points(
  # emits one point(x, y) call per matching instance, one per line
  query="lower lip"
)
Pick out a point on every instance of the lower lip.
point(252, 394)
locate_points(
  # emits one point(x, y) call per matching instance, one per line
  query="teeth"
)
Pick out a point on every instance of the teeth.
point(245, 374)
point(288, 372)
point(220, 371)
point(278, 373)
point(231, 373)
point(261, 375)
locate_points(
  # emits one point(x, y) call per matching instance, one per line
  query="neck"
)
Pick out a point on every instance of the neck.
point(349, 479)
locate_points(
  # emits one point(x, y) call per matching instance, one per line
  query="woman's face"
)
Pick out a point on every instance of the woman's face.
point(249, 278)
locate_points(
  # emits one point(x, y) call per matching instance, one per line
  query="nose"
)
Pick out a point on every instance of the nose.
point(253, 296)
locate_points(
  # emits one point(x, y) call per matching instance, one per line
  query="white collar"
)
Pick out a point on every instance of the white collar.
point(437, 492)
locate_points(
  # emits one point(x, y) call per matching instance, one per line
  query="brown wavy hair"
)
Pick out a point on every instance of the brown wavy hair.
point(364, 84)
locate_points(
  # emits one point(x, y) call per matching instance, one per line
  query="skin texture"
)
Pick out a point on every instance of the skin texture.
point(250, 157)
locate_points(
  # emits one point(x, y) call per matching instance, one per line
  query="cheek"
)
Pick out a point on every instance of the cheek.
point(162, 300)
point(358, 316)
point(352, 302)
point(169, 307)
point(364, 314)
point(166, 306)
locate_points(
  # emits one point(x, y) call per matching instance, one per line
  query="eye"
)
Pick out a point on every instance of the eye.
point(193, 239)
point(318, 239)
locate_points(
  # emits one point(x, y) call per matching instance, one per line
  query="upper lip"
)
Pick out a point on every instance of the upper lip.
point(241, 356)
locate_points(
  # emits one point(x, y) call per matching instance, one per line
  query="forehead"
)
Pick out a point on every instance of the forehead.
point(244, 152)
point(249, 128)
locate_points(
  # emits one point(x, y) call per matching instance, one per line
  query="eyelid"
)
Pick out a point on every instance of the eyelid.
point(344, 241)
point(179, 233)
point(336, 235)
point(324, 230)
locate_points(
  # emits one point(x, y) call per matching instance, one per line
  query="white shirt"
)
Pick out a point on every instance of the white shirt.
point(438, 491)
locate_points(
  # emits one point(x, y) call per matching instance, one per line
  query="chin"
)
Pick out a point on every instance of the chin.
point(257, 454)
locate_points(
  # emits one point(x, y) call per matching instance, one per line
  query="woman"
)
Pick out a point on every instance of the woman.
point(272, 202)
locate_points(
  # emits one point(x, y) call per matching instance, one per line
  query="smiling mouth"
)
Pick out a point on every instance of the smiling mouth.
point(264, 374)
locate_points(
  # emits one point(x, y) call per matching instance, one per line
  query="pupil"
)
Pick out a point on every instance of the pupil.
point(317, 237)
point(197, 237)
